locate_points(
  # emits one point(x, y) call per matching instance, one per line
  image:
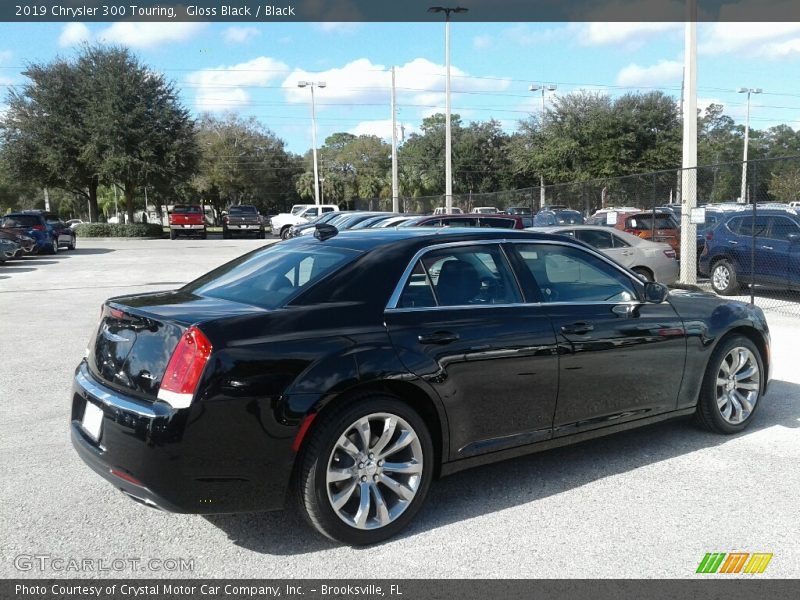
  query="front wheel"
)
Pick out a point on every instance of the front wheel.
point(365, 470)
point(173, 234)
point(53, 246)
point(723, 278)
point(732, 386)
point(285, 233)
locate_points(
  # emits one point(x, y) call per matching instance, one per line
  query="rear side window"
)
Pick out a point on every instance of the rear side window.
point(748, 227)
point(602, 240)
point(782, 227)
point(466, 276)
point(499, 223)
point(180, 209)
point(270, 277)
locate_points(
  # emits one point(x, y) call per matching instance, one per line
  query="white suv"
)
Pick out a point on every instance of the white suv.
point(301, 213)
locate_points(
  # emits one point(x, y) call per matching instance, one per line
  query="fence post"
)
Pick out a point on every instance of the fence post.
point(653, 228)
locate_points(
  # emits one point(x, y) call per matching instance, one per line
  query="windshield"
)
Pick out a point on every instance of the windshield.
point(269, 278)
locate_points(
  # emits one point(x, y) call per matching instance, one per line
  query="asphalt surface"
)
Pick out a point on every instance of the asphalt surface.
point(645, 503)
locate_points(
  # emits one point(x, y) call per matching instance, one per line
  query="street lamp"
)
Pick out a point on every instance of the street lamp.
point(550, 87)
point(448, 151)
point(322, 188)
point(312, 85)
point(748, 91)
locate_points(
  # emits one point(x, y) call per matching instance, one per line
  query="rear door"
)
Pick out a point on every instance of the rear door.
point(613, 348)
point(461, 325)
point(775, 249)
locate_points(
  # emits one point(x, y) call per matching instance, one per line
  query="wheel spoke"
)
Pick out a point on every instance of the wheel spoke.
point(406, 437)
point(725, 367)
point(404, 468)
point(389, 427)
point(746, 374)
point(363, 505)
point(743, 402)
point(348, 446)
point(748, 385)
point(381, 510)
point(722, 381)
point(337, 475)
point(737, 407)
point(340, 499)
point(722, 400)
point(364, 434)
point(398, 488)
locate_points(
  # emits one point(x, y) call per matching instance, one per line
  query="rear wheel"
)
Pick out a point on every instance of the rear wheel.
point(73, 243)
point(285, 232)
point(731, 387)
point(173, 234)
point(203, 235)
point(723, 278)
point(226, 235)
point(53, 246)
point(644, 272)
point(365, 470)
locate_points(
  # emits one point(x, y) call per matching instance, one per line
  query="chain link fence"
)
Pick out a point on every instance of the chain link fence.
point(748, 246)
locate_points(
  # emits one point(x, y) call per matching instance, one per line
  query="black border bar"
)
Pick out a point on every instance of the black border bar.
point(282, 11)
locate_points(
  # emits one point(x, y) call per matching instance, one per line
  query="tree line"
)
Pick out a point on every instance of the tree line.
point(104, 127)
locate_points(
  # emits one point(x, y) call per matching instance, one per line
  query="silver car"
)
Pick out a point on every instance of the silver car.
point(655, 261)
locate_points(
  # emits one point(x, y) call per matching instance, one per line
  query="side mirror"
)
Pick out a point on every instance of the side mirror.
point(655, 293)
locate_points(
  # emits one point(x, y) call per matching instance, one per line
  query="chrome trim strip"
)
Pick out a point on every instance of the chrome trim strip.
point(110, 399)
point(391, 305)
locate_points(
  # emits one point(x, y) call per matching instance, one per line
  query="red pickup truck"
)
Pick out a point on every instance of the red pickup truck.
point(187, 219)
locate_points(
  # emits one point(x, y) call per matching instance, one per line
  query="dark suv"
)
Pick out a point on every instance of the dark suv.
point(730, 255)
point(47, 229)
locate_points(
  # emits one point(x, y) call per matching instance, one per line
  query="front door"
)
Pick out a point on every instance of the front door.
point(620, 359)
point(461, 325)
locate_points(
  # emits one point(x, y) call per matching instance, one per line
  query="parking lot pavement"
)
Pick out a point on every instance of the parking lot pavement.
point(646, 503)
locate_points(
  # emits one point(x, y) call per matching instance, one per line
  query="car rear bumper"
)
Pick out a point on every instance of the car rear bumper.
point(171, 459)
point(187, 227)
point(252, 227)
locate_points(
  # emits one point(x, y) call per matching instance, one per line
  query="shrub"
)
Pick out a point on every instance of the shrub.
point(133, 230)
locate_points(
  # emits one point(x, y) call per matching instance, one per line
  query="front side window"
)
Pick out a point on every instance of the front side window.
point(782, 227)
point(462, 276)
point(566, 274)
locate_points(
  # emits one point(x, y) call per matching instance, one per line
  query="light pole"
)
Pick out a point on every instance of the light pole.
point(322, 188)
point(748, 91)
point(448, 143)
point(312, 85)
point(544, 89)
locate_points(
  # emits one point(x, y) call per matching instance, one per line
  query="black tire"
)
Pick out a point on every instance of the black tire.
point(73, 243)
point(226, 235)
point(203, 235)
point(53, 249)
point(708, 414)
point(261, 235)
point(723, 278)
point(311, 485)
point(173, 234)
point(285, 232)
point(644, 272)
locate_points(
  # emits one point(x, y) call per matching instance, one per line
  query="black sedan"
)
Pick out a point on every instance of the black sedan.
point(353, 369)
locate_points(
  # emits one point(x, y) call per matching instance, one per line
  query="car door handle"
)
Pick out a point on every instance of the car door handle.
point(767, 248)
point(439, 337)
point(733, 242)
point(577, 328)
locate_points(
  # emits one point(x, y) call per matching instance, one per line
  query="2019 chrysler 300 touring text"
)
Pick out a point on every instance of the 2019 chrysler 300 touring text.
point(352, 369)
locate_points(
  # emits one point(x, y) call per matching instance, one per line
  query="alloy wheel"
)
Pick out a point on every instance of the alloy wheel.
point(374, 471)
point(721, 278)
point(738, 385)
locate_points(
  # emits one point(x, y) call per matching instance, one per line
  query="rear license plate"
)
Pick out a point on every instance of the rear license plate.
point(92, 421)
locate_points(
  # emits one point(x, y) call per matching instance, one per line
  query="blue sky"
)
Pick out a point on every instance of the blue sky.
point(253, 68)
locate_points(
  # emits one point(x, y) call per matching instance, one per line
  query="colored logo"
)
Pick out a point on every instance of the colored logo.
point(734, 562)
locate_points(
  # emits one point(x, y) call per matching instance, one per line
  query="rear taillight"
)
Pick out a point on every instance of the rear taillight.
point(225, 219)
point(709, 236)
point(39, 228)
point(670, 253)
point(185, 368)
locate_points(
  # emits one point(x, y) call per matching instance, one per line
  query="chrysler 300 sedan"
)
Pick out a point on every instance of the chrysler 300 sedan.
point(349, 370)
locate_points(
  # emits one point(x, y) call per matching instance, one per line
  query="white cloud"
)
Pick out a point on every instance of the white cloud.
point(419, 81)
point(382, 129)
point(662, 73)
point(605, 34)
point(225, 88)
point(482, 42)
point(150, 34)
point(766, 40)
point(5, 55)
point(337, 27)
point(240, 35)
point(73, 34)
point(524, 35)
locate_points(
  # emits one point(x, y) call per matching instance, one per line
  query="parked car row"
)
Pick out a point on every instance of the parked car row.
point(33, 232)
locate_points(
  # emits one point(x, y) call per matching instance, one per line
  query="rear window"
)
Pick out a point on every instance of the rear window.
point(21, 221)
point(242, 210)
point(182, 210)
point(646, 222)
point(499, 223)
point(569, 217)
point(270, 277)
